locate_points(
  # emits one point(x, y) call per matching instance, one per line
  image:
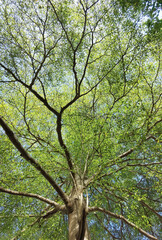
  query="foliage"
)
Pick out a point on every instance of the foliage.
point(80, 88)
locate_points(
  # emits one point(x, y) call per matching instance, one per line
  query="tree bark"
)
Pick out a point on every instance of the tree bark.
point(78, 227)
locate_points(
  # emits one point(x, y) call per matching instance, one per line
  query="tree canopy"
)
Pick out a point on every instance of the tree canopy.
point(80, 120)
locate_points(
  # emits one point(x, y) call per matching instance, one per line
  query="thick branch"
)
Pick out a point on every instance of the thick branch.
point(32, 195)
point(50, 213)
point(70, 103)
point(64, 147)
point(94, 209)
point(32, 161)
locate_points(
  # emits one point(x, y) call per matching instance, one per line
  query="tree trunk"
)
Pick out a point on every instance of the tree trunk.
point(78, 227)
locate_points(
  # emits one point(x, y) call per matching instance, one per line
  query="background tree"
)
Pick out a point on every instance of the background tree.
point(80, 102)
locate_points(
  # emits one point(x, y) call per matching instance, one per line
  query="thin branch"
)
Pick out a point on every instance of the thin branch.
point(153, 137)
point(24, 229)
point(144, 164)
point(83, 94)
point(108, 174)
point(30, 225)
point(87, 182)
point(44, 101)
point(86, 65)
point(20, 216)
point(93, 4)
point(151, 209)
point(86, 164)
point(126, 153)
point(84, 27)
point(160, 120)
point(98, 209)
point(42, 62)
point(101, 222)
point(96, 176)
point(67, 37)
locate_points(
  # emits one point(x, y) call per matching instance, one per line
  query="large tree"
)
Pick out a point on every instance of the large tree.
point(80, 119)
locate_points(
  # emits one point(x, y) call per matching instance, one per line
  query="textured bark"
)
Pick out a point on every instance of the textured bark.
point(78, 227)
